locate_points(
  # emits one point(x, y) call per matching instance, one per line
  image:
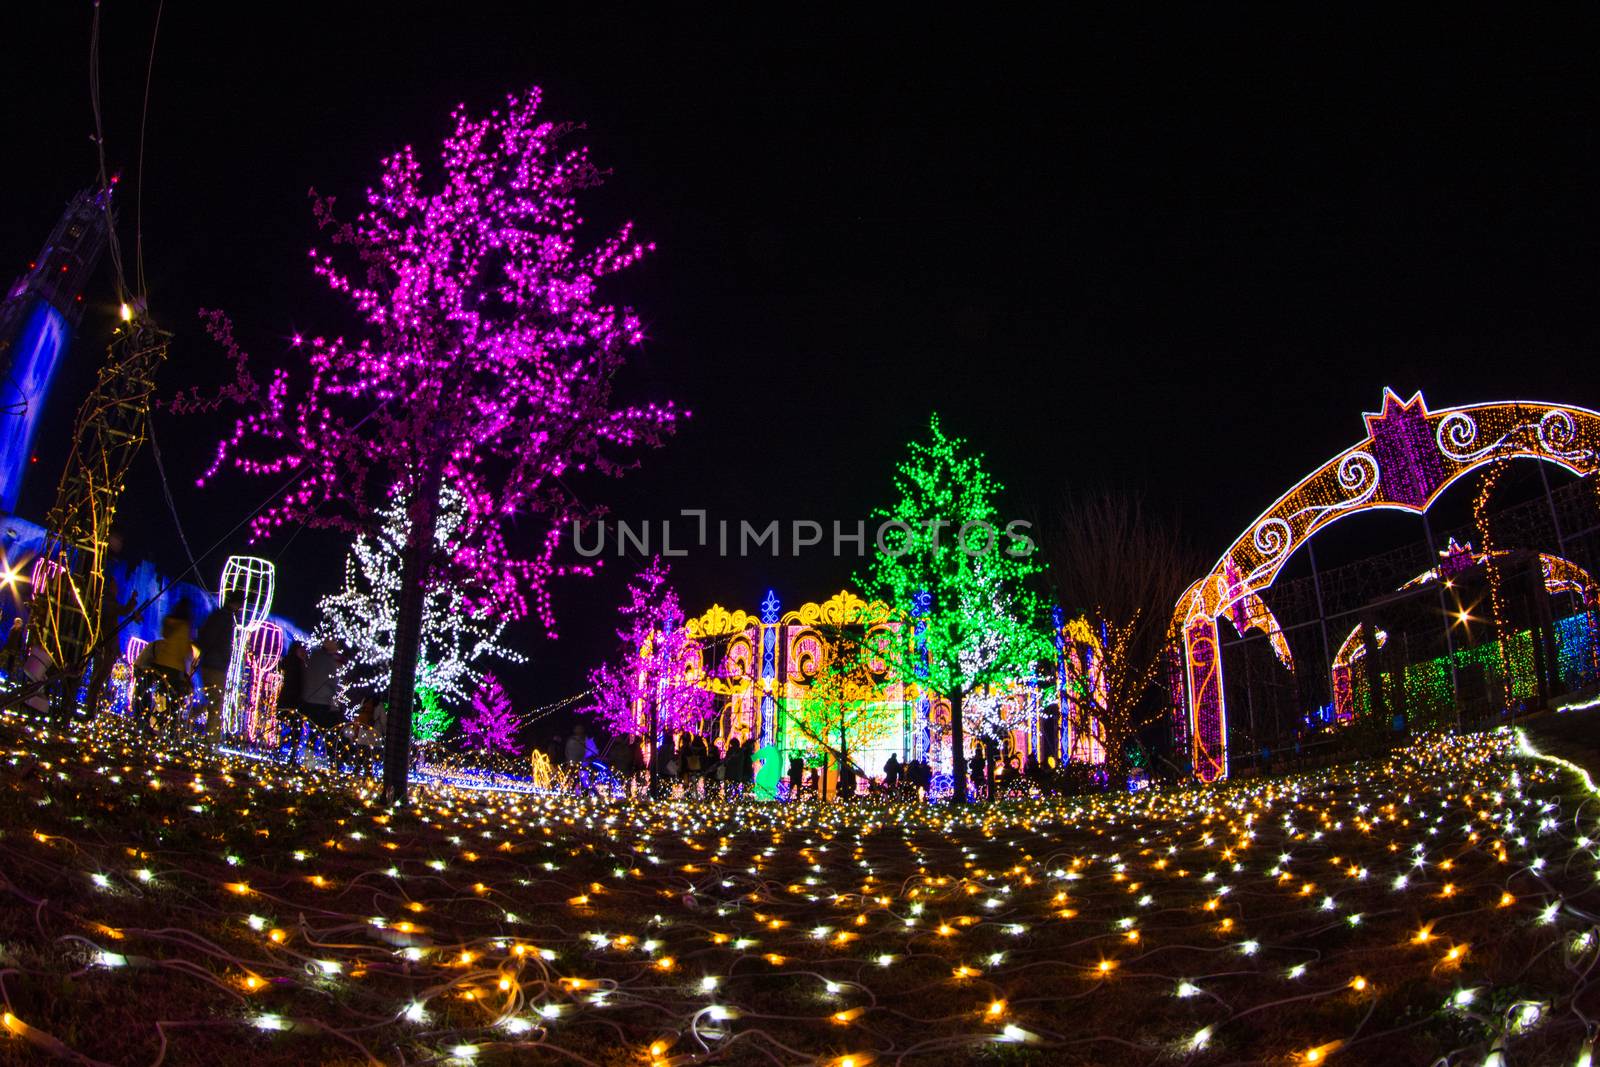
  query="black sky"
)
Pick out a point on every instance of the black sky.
point(1175, 257)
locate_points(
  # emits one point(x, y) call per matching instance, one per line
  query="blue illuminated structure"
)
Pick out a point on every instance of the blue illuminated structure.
point(921, 725)
point(769, 666)
point(41, 311)
point(1058, 624)
point(34, 359)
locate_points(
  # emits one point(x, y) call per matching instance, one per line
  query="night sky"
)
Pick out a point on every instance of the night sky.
point(1167, 258)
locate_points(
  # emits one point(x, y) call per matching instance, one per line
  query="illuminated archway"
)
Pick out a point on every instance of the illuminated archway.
point(761, 666)
point(1409, 456)
point(1559, 575)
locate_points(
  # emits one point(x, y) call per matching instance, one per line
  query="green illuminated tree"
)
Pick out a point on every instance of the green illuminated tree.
point(432, 720)
point(946, 554)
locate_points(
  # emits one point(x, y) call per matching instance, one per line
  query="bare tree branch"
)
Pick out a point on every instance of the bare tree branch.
point(1122, 570)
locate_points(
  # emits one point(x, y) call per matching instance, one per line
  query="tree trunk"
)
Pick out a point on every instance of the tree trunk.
point(844, 752)
point(958, 751)
point(1115, 729)
point(655, 746)
point(424, 516)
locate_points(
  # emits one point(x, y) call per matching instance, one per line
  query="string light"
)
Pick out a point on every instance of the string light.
point(695, 948)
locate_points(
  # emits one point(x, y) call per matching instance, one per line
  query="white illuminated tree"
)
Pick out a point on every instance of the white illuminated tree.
point(455, 641)
point(991, 712)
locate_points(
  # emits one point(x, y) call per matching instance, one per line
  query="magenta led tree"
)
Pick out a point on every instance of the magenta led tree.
point(486, 361)
point(491, 727)
point(657, 683)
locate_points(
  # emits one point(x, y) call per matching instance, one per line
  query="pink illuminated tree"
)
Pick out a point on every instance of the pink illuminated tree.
point(491, 727)
point(657, 682)
point(486, 361)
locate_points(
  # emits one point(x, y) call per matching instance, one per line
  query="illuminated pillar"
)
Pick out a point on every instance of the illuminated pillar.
point(1179, 709)
point(922, 728)
point(1031, 722)
point(1344, 697)
point(255, 579)
point(908, 713)
point(769, 668)
point(1059, 620)
point(1208, 718)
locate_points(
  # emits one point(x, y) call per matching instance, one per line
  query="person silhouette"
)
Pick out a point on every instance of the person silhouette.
point(797, 770)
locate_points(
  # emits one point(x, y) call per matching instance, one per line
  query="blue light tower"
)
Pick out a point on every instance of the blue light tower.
point(41, 311)
point(770, 607)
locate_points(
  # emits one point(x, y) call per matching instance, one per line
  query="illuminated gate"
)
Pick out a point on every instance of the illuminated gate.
point(1409, 456)
point(761, 667)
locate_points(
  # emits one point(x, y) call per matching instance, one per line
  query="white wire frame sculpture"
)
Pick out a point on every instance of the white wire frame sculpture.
point(255, 579)
point(263, 653)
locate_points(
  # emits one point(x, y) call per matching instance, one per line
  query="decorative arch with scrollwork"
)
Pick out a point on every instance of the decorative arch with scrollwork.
point(759, 664)
point(1409, 456)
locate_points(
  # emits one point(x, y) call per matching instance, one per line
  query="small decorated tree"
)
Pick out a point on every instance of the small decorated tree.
point(1121, 570)
point(961, 571)
point(432, 721)
point(362, 615)
point(491, 727)
point(656, 683)
point(844, 709)
point(994, 714)
point(487, 363)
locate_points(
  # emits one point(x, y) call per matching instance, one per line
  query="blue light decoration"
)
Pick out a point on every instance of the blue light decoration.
point(1033, 712)
point(921, 728)
point(1058, 624)
point(767, 766)
point(1575, 653)
point(38, 316)
point(38, 354)
point(769, 666)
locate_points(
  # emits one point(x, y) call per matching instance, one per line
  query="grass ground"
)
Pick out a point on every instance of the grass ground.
point(1571, 734)
point(162, 905)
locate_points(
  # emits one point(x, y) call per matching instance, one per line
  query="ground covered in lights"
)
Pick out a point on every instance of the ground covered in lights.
point(164, 906)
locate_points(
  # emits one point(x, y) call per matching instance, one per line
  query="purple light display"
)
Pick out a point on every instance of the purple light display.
point(1403, 445)
point(492, 727)
point(659, 669)
point(487, 360)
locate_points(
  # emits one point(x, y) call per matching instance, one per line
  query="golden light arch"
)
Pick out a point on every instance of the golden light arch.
point(1409, 456)
point(761, 664)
